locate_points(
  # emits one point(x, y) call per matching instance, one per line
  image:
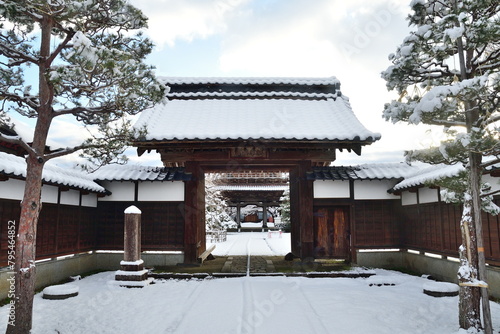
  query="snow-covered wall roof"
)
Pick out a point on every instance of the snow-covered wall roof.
point(386, 170)
point(278, 119)
point(15, 166)
point(429, 174)
point(139, 173)
point(373, 171)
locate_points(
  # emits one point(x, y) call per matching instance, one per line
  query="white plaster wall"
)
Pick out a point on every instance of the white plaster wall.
point(89, 200)
point(12, 189)
point(331, 189)
point(428, 195)
point(408, 198)
point(161, 191)
point(121, 191)
point(373, 189)
point(49, 194)
point(70, 197)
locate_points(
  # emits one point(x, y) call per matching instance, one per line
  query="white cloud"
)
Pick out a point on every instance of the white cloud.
point(65, 131)
point(350, 40)
point(296, 37)
point(171, 20)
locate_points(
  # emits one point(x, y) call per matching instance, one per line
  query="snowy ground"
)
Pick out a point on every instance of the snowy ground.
point(251, 304)
point(256, 243)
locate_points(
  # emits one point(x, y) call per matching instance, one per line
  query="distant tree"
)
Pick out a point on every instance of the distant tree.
point(216, 209)
point(89, 66)
point(285, 210)
point(447, 74)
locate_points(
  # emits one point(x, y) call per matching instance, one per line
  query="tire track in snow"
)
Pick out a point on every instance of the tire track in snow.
point(271, 249)
point(248, 257)
point(190, 300)
point(245, 321)
point(312, 316)
point(245, 326)
point(228, 251)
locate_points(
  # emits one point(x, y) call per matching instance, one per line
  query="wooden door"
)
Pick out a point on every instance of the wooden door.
point(331, 232)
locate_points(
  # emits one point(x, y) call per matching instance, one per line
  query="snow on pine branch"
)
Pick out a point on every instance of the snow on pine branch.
point(442, 104)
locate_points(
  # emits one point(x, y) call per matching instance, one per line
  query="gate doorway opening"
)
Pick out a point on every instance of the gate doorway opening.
point(251, 200)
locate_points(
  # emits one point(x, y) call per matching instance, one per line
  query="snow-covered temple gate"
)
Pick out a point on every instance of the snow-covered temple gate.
point(231, 124)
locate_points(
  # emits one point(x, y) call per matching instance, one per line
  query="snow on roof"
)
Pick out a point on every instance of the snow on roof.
point(254, 119)
point(429, 174)
point(12, 165)
point(373, 171)
point(248, 187)
point(249, 80)
point(139, 173)
point(386, 170)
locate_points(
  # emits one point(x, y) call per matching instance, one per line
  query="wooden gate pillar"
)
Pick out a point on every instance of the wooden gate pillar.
point(194, 213)
point(301, 211)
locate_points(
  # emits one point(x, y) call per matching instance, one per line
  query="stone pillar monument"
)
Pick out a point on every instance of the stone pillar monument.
point(132, 273)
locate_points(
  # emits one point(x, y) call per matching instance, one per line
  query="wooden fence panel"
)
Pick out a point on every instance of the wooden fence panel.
point(435, 227)
point(377, 223)
point(61, 229)
point(162, 225)
point(47, 231)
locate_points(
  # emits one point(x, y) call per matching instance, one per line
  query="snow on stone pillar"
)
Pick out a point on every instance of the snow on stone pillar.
point(132, 273)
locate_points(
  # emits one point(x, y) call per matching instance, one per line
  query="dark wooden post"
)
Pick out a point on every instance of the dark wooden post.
point(194, 213)
point(306, 211)
point(294, 211)
point(238, 216)
point(301, 211)
point(264, 217)
point(352, 219)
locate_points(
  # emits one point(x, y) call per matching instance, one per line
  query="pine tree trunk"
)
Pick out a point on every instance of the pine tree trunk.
point(469, 297)
point(475, 182)
point(25, 270)
point(471, 224)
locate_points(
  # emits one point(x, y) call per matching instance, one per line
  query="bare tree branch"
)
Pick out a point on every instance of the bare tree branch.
point(490, 163)
point(69, 35)
point(28, 100)
point(18, 141)
point(491, 193)
point(66, 151)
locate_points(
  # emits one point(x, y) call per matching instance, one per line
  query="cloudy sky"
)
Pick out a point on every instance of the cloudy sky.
point(292, 38)
point(350, 40)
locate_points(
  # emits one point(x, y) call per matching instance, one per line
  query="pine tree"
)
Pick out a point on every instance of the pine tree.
point(447, 74)
point(217, 217)
point(285, 210)
point(89, 67)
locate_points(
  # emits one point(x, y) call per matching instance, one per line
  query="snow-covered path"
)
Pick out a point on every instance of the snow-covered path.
point(254, 243)
point(250, 305)
point(293, 305)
